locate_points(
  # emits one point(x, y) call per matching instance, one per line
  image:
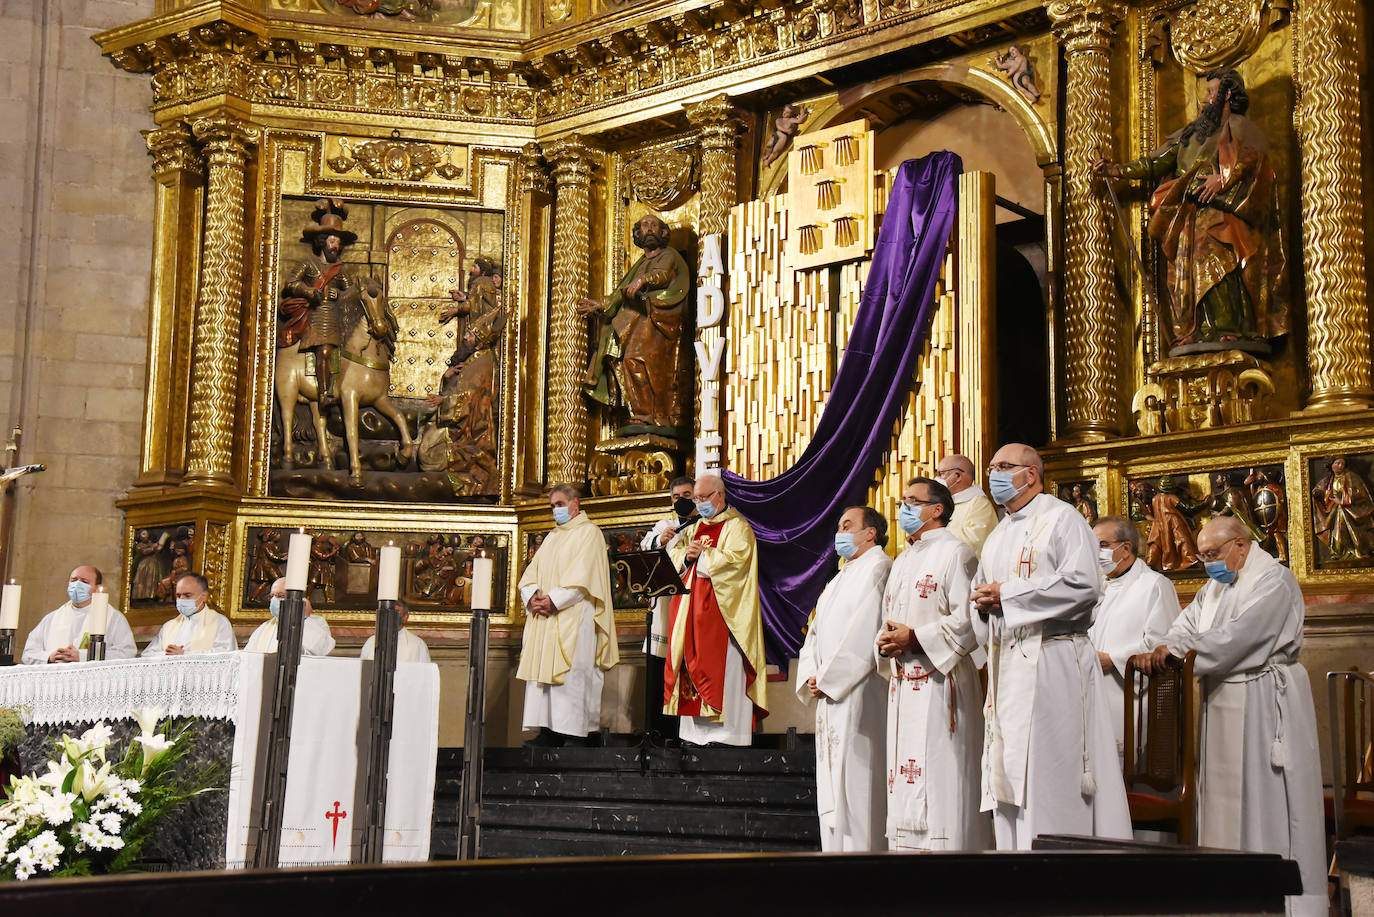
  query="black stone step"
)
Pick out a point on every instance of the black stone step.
point(622, 817)
point(723, 789)
point(689, 760)
point(499, 843)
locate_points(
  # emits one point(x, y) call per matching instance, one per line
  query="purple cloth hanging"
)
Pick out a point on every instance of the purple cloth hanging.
point(794, 514)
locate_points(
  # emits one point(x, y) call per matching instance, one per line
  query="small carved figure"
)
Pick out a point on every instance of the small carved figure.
point(533, 547)
point(324, 553)
point(181, 563)
point(1215, 214)
point(785, 128)
point(1341, 511)
point(266, 565)
point(1017, 66)
point(1170, 544)
point(1269, 507)
point(149, 568)
point(1228, 499)
point(310, 308)
point(639, 333)
point(1086, 506)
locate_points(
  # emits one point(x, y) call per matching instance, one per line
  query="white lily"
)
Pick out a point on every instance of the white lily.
point(91, 782)
point(57, 774)
point(96, 739)
point(147, 718)
point(153, 747)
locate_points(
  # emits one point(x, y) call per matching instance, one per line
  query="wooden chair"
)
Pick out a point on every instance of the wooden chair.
point(1350, 706)
point(1160, 743)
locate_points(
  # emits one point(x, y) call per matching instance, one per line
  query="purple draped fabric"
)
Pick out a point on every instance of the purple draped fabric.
point(794, 514)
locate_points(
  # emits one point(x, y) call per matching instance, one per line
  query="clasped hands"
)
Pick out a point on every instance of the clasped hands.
point(895, 639)
point(543, 606)
point(815, 692)
point(695, 548)
point(65, 654)
point(987, 598)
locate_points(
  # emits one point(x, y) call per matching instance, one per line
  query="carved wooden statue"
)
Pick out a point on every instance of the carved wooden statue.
point(1341, 512)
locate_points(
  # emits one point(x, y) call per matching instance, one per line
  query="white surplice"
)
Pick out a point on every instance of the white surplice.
point(1138, 602)
point(181, 630)
point(574, 707)
point(316, 639)
point(66, 626)
point(1049, 762)
point(656, 640)
point(838, 653)
point(1260, 785)
point(974, 517)
point(409, 648)
point(934, 701)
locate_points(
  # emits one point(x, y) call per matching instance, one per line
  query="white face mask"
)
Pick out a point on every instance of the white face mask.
point(1106, 559)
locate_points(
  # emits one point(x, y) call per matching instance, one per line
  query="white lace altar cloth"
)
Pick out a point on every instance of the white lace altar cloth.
point(203, 685)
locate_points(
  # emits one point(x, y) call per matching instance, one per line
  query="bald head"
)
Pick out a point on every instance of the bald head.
point(1224, 538)
point(1220, 529)
point(1027, 473)
point(956, 471)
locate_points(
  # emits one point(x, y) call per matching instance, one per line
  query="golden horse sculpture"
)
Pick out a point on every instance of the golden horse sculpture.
point(363, 379)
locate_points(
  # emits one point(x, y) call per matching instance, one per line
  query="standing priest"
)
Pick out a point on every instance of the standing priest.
point(934, 700)
point(1049, 757)
point(61, 635)
point(715, 677)
point(974, 515)
point(1261, 783)
point(835, 669)
point(569, 639)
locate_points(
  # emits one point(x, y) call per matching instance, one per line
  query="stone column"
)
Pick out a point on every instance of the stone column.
point(1092, 323)
point(573, 160)
point(219, 306)
point(1333, 213)
point(179, 173)
point(528, 275)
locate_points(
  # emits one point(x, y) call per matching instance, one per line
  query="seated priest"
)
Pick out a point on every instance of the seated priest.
point(715, 676)
point(1136, 602)
point(316, 640)
point(569, 641)
point(197, 628)
point(62, 635)
point(1260, 785)
point(835, 671)
point(410, 648)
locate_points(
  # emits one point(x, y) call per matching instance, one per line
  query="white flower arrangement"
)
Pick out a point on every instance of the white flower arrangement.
point(92, 810)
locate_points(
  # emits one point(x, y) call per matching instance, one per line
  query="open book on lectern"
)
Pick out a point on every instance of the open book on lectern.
point(648, 574)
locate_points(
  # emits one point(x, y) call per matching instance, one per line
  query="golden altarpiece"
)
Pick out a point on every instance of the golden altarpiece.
point(505, 151)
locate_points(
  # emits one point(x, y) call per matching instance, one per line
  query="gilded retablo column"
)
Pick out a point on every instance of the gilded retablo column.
point(572, 160)
point(1091, 320)
point(1338, 349)
point(215, 360)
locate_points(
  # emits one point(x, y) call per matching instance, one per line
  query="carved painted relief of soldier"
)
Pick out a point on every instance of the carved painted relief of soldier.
point(1269, 505)
point(1341, 512)
point(310, 311)
point(266, 566)
point(1214, 212)
point(640, 339)
point(1170, 544)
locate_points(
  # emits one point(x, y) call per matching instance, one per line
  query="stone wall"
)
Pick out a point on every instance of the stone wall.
point(76, 189)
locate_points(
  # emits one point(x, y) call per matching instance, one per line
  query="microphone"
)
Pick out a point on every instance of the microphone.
point(18, 471)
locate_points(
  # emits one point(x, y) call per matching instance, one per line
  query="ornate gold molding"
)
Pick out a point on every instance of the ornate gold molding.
point(173, 151)
point(214, 369)
point(573, 161)
point(1209, 34)
point(1338, 349)
point(718, 121)
point(532, 171)
point(1091, 312)
point(661, 178)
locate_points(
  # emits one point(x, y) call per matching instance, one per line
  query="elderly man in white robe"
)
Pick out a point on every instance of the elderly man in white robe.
point(1049, 756)
point(1260, 786)
point(409, 648)
point(1136, 601)
point(934, 703)
point(62, 634)
point(316, 638)
point(835, 670)
point(197, 628)
point(974, 515)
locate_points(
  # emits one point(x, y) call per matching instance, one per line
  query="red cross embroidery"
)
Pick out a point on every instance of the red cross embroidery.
point(891, 778)
point(1026, 565)
point(910, 770)
point(927, 586)
point(336, 816)
point(914, 674)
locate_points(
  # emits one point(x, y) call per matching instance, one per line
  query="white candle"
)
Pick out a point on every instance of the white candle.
point(389, 574)
point(100, 613)
point(9, 606)
point(482, 568)
point(298, 561)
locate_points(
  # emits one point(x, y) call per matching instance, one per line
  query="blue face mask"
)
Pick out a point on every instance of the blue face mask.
point(909, 518)
point(186, 607)
point(1218, 571)
point(78, 592)
point(561, 515)
point(274, 606)
point(844, 544)
point(706, 508)
point(1001, 488)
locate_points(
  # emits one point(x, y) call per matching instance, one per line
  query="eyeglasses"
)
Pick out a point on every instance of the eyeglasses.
point(1209, 556)
point(912, 501)
point(1004, 466)
point(947, 472)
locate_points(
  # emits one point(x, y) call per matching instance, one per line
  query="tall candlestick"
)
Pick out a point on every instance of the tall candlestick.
point(389, 574)
point(99, 615)
point(298, 561)
point(482, 569)
point(9, 606)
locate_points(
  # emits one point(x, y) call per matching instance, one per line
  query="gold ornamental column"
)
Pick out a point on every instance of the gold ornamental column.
point(1091, 321)
point(219, 306)
point(1338, 350)
point(573, 160)
point(179, 173)
point(530, 278)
